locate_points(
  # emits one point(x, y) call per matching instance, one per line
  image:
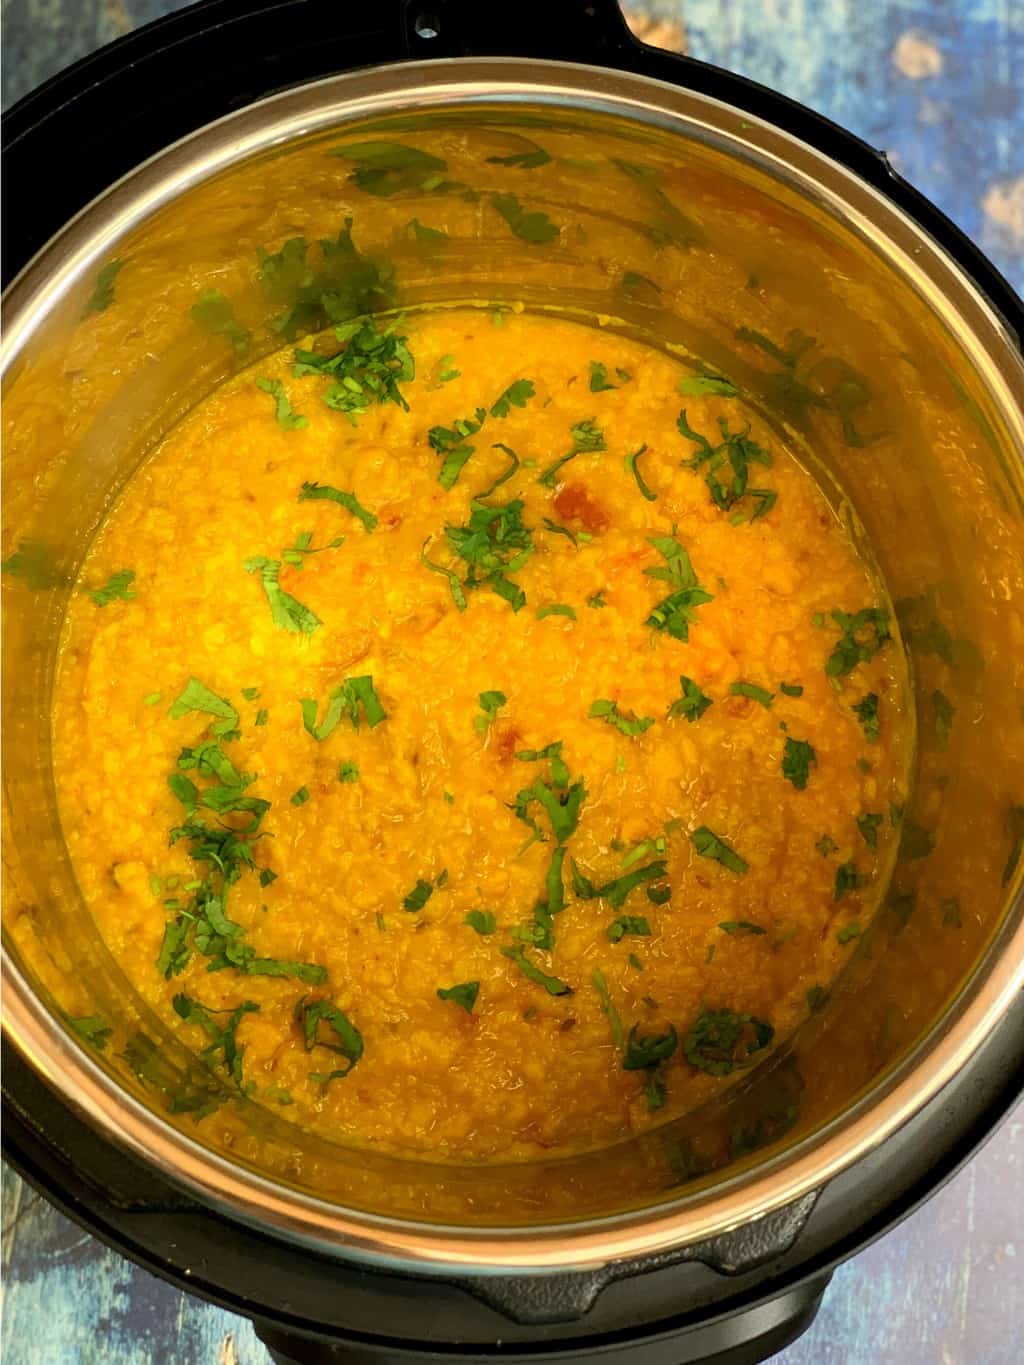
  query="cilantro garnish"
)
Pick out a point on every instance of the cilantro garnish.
point(634, 283)
point(739, 927)
point(868, 826)
point(493, 544)
point(287, 418)
point(677, 612)
point(866, 711)
point(422, 892)
point(646, 1051)
point(418, 232)
point(348, 772)
point(556, 609)
point(847, 879)
point(118, 587)
point(32, 562)
point(295, 555)
point(791, 689)
point(642, 849)
point(367, 370)
point(636, 925)
point(535, 227)
point(692, 704)
point(300, 797)
point(755, 693)
point(797, 758)
point(311, 492)
point(481, 921)
point(505, 475)
point(552, 984)
point(196, 696)
point(490, 704)
point(741, 452)
point(387, 168)
point(599, 377)
point(596, 599)
point(347, 699)
point(214, 314)
point(863, 635)
point(223, 1040)
point(617, 891)
point(700, 385)
point(587, 438)
point(659, 895)
point(915, 841)
point(287, 612)
point(463, 995)
point(517, 395)
point(627, 724)
point(262, 716)
point(708, 845)
point(553, 751)
point(944, 712)
point(313, 1015)
point(826, 845)
point(91, 1029)
point(848, 932)
point(522, 161)
point(722, 1041)
point(102, 295)
point(608, 1006)
point(452, 443)
point(633, 468)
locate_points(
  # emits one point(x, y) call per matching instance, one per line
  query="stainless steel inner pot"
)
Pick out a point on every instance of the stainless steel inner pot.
point(680, 219)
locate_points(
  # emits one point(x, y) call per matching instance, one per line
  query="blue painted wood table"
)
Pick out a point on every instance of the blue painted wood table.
point(939, 86)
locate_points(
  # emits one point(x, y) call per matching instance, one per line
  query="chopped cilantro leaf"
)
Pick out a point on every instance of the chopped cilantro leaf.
point(645, 1051)
point(315, 491)
point(797, 758)
point(481, 921)
point(343, 1038)
point(533, 973)
point(737, 927)
point(494, 542)
point(92, 1030)
point(826, 845)
point(599, 377)
point(692, 704)
point(659, 895)
point(847, 879)
point(677, 612)
point(286, 611)
point(418, 896)
point(261, 716)
point(701, 385)
point(915, 841)
point(287, 418)
point(791, 689)
point(250, 693)
point(626, 723)
point(751, 690)
point(386, 168)
point(348, 772)
point(708, 845)
point(522, 161)
point(367, 370)
point(300, 797)
point(223, 1040)
point(587, 438)
point(863, 635)
point(866, 711)
point(425, 236)
point(463, 995)
point(722, 1041)
point(633, 467)
point(196, 696)
point(553, 751)
point(628, 924)
point(517, 395)
point(596, 599)
point(490, 704)
point(118, 587)
point(848, 932)
point(868, 825)
point(607, 1005)
point(634, 283)
point(562, 807)
point(214, 314)
point(740, 452)
point(102, 295)
point(617, 891)
point(347, 699)
point(535, 227)
point(556, 609)
point(454, 583)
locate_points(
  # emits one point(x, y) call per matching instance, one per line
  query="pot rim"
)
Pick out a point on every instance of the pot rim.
point(997, 977)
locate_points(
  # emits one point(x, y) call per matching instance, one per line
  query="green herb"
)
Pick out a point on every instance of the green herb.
point(348, 772)
point(587, 438)
point(866, 711)
point(817, 997)
point(556, 609)
point(560, 803)
point(482, 921)
point(915, 841)
point(848, 932)
point(533, 227)
point(708, 845)
point(314, 492)
point(868, 826)
point(692, 704)
point(895, 813)
point(641, 850)
point(863, 635)
point(321, 1022)
point(722, 1041)
point(847, 879)
point(596, 600)
point(799, 344)
point(740, 452)
point(944, 712)
point(737, 927)
point(551, 984)
point(628, 924)
point(418, 896)
point(425, 236)
point(214, 314)
point(599, 377)
point(616, 891)
point(102, 295)
point(261, 716)
point(797, 758)
point(32, 562)
point(633, 468)
point(826, 845)
point(493, 543)
point(387, 168)
point(677, 612)
point(667, 223)
point(300, 797)
point(296, 554)
point(92, 1030)
point(286, 611)
point(1015, 829)
point(659, 895)
point(463, 995)
point(643, 1052)
point(507, 473)
point(607, 1005)
point(118, 587)
point(490, 704)
point(791, 689)
point(367, 371)
point(223, 1040)
point(751, 690)
point(286, 416)
point(626, 723)
point(523, 161)
point(517, 395)
point(345, 700)
point(633, 282)
point(702, 385)
point(196, 696)
point(559, 770)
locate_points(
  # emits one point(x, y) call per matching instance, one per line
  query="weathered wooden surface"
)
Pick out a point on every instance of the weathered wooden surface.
point(940, 87)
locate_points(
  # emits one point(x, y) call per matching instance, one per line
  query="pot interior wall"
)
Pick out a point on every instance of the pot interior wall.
point(695, 248)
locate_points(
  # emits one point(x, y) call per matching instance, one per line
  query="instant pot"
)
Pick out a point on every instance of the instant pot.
point(884, 345)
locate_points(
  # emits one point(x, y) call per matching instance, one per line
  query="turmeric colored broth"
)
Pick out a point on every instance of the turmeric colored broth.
point(756, 860)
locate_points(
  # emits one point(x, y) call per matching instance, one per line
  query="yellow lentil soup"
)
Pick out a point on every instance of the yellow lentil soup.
point(477, 734)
